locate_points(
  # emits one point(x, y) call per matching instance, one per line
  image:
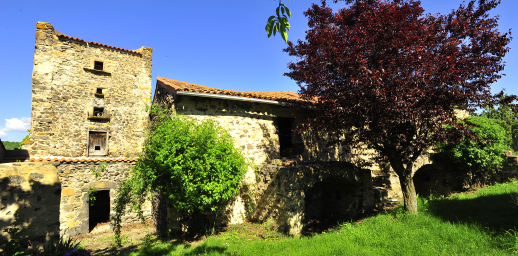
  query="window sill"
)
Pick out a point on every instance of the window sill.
point(99, 117)
point(98, 72)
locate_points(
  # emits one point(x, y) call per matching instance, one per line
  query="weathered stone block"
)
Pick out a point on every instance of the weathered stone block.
point(67, 192)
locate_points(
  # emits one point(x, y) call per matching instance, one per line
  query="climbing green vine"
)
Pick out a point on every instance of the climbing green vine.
point(91, 195)
point(99, 169)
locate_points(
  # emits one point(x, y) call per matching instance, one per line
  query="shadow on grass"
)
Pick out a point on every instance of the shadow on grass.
point(156, 249)
point(496, 212)
point(205, 249)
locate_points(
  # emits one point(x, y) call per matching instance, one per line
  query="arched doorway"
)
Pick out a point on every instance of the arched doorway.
point(330, 202)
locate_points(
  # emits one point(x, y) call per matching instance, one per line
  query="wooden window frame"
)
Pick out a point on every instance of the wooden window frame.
point(88, 151)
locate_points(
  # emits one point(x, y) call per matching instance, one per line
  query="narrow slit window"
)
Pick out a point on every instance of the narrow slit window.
point(284, 132)
point(98, 65)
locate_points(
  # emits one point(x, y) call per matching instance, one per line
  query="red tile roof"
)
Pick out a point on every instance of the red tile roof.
point(95, 43)
point(188, 87)
point(81, 159)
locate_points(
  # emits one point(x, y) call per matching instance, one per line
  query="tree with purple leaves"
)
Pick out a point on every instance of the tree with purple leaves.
point(388, 77)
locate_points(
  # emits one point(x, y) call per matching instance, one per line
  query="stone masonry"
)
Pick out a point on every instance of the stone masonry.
point(280, 185)
point(79, 87)
point(88, 105)
point(53, 197)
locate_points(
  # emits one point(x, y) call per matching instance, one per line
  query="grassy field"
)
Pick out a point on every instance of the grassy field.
point(484, 223)
point(481, 223)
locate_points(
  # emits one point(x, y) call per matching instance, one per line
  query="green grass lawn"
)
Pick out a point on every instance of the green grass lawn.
point(483, 223)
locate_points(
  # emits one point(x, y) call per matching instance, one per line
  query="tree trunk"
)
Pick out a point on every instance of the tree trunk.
point(409, 194)
point(159, 206)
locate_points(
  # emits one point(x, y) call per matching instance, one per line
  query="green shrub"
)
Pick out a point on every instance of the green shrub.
point(194, 164)
point(483, 157)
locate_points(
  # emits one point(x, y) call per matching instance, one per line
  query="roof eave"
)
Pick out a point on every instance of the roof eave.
point(237, 98)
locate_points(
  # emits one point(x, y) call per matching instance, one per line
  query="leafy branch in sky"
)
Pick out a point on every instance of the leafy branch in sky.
point(279, 22)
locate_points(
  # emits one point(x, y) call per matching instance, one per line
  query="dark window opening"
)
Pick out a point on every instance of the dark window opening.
point(98, 65)
point(98, 111)
point(99, 211)
point(99, 91)
point(284, 129)
point(97, 143)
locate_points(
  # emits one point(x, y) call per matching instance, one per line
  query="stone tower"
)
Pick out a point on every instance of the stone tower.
point(87, 98)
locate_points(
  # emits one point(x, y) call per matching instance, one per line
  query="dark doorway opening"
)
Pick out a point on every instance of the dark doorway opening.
point(99, 208)
point(331, 202)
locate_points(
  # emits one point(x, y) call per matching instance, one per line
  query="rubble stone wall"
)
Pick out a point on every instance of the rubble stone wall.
point(53, 196)
point(76, 179)
point(282, 192)
point(64, 86)
point(253, 126)
point(32, 191)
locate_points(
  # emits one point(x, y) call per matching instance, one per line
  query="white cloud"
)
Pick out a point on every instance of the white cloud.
point(17, 124)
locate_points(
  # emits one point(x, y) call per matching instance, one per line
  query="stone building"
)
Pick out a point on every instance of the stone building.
point(88, 98)
point(87, 128)
point(299, 177)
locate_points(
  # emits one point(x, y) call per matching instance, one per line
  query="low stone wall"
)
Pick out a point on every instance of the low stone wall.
point(32, 191)
point(77, 178)
point(53, 198)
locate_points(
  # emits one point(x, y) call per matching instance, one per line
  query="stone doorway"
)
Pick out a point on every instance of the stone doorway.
point(99, 209)
point(330, 202)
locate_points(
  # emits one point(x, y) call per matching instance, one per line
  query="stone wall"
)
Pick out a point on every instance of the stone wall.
point(32, 191)
point(437, 178)
point(288, 195)
point(253, 126)
point(53, 196)
point(76, 179)
point(67, 86)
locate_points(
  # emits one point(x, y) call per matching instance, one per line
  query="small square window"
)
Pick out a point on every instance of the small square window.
point(97, 148)
point(99, 91)
point(98, 112)
point(98, 65)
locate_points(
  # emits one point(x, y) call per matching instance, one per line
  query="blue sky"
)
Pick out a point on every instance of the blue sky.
point(220, 44)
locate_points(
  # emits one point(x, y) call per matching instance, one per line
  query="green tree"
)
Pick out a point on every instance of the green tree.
point(506, 117)
point(481, 157)
point(10, 145)
point(191, 163)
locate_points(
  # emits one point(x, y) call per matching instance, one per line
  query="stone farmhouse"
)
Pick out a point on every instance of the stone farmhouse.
point(88, 126)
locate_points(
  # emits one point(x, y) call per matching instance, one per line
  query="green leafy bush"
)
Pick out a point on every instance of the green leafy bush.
point(483, 157)
point(193, 163)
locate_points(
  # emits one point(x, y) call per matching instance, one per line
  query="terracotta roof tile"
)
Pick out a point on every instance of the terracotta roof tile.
point(291, 97)
point(80, 159)
point(95, 43)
